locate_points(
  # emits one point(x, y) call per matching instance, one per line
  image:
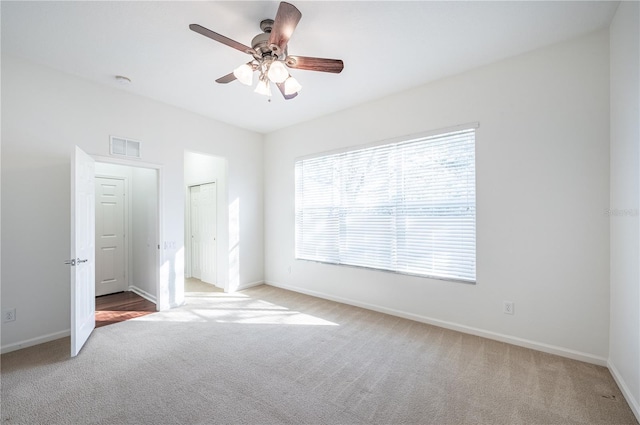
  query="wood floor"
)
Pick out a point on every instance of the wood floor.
point(122, 306)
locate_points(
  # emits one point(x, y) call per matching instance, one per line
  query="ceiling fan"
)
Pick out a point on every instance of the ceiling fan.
point(269, 51)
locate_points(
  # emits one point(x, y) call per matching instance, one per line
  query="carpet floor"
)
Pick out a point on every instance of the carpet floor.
point(270, 356)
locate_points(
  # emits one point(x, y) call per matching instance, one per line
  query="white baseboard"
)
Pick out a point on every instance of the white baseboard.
point(631, 401)
point(250, 285)
point(521, 342)
point(144, 294)
point(35, 341)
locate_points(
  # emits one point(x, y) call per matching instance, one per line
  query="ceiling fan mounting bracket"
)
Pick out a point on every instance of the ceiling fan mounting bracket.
point(266, 25)
point(291, 61)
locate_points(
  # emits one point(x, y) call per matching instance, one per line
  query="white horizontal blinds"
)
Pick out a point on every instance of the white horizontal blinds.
point(437, 210)
point(367, 209)
point(317, 222)
point(407, 207)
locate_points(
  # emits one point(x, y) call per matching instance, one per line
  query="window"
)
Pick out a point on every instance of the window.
point(407, 206)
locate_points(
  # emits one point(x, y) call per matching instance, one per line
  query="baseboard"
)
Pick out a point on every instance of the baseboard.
point(250, 285)
point(521, 342)
point(631, 401)
point(144, 294)
point(34, 341)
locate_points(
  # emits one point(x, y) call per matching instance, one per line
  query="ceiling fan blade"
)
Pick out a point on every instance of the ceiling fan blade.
point(285, 22)
point(286, 96)
point(220, 38)
point(315, 64)
point(226, 79)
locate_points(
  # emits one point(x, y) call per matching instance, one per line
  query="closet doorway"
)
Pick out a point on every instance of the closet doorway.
point(206, 219)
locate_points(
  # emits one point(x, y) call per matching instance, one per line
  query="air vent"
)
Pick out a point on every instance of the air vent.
point(125, 147)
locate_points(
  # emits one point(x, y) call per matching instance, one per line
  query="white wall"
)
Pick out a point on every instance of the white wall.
point(542, 190)
point(144, 222)
point(624, 351)
point(44, 114)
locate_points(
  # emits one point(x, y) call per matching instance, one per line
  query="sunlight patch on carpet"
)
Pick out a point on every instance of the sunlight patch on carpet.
point(263, 317)
point(237, 310)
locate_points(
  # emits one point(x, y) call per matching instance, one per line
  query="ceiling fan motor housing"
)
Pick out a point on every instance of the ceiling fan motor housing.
point(260, 42)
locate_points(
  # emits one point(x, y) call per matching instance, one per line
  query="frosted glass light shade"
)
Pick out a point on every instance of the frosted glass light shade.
point(244, 74)
point(277, 72)
point(291, 86)
point(263, 87)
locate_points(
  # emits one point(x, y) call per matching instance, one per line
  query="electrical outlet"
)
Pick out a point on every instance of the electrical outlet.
point(9, 315)
point(507, 307)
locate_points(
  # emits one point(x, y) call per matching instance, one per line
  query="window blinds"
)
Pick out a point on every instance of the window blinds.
point(407, 207)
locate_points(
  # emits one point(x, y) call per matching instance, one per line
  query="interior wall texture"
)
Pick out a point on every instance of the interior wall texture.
point(46, 113)
point(542, 170)
point(144, 212)
point(624, 351)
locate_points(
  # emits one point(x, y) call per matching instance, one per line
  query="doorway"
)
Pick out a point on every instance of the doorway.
point(127, 235)
point(148, 182)
point(206, 219)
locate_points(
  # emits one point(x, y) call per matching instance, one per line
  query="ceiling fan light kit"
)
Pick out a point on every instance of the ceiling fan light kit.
point(244, 74)
point(291, 86)
point(269, 51)
point(263, 87)
point(277, 72)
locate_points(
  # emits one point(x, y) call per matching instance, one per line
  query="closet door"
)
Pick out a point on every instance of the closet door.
point(203, 232)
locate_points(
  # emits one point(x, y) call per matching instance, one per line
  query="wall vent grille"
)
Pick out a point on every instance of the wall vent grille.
point(125, 147)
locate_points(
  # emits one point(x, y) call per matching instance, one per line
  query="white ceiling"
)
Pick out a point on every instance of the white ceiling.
point(386, 47)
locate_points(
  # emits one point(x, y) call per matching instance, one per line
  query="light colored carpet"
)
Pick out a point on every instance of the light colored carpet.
point(196, 285)
point(269, 356)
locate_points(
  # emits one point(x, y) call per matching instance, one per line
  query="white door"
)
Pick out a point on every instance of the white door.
point(203, 232)
point(194, 192)
point(83, 303)
point(110, 236)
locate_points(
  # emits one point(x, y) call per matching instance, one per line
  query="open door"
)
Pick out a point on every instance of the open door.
point(83, 303)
